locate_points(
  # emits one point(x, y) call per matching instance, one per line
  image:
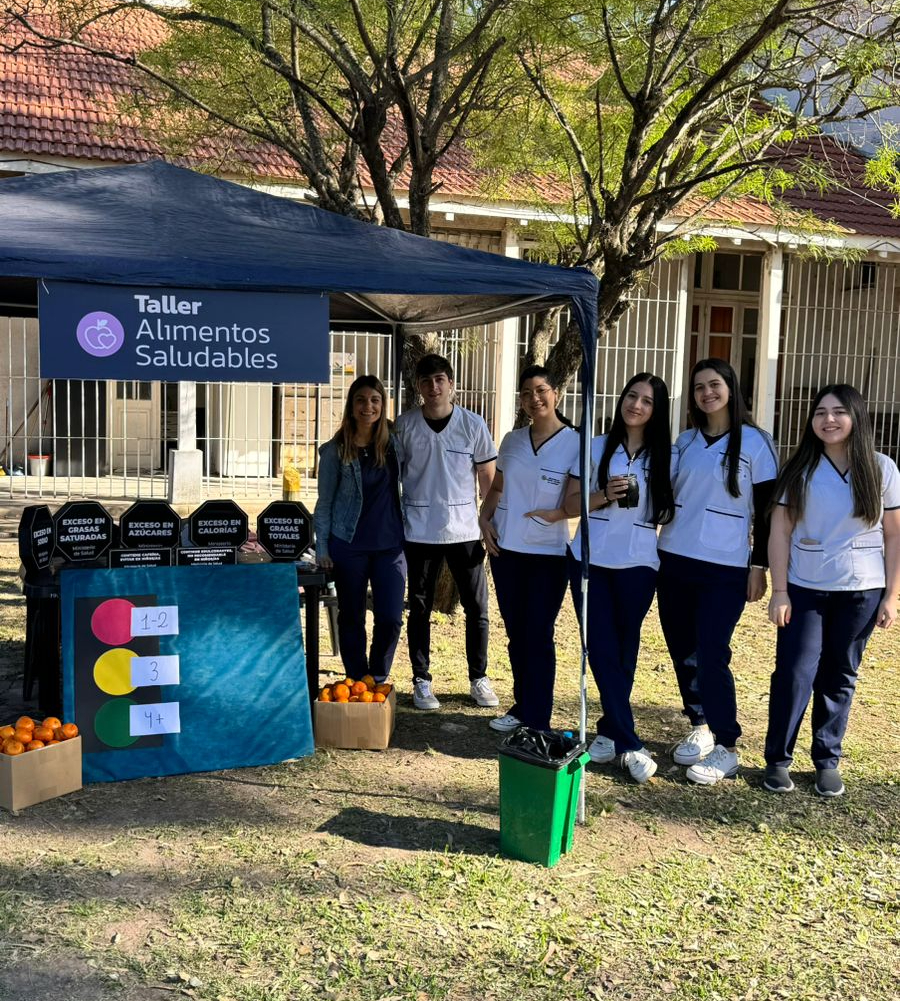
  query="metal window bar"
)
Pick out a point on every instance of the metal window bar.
point(839, 324)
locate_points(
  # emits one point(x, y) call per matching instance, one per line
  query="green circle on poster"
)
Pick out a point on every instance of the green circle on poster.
point(112, 723)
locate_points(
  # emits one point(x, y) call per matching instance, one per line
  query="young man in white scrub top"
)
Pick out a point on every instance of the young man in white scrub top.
point(447, 457)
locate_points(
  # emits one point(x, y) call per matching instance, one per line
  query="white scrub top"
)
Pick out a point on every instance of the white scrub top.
point(437, 473)
point(709, 523)
point(622, 537)
point(531, 480)
point(830, 549)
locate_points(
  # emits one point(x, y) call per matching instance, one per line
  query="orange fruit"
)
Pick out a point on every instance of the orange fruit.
point(13, 746)
point(43, 733)
point(358, 688)
point(69, 730)
point(379, 697)
point(25, 723)
point(47, 743)
point(369, 682)
point(367, 696)
point(325, 695)
point(6, 732)
point(51, 722)
point(340, 692)
point(384, 689)
point(349, 682)
point(57, 732)
point(34, 745)
point(22, 735)
point(353, 698)
point(343, 698)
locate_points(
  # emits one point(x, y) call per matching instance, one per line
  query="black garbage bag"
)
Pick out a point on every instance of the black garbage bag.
point(544, 748)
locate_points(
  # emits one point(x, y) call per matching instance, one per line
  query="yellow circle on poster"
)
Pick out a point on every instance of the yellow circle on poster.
point(112, 671)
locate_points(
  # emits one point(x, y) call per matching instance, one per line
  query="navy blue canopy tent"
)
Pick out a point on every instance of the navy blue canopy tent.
point(155, 224)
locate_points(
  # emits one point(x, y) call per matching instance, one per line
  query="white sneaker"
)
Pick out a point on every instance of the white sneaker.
point(602, 750)
point(423, 696)
point(483, 694)
point(694, 746)
point(639, 764)
point(505, 724)
point(719, 764)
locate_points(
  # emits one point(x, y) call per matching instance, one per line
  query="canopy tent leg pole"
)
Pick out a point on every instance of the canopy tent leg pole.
point(586, 431)
point(186, 462)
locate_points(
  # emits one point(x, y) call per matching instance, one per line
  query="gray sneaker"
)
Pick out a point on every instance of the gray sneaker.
point(505, 724)
point(829, 782)
point(483, 694)
point(778, 779)
point(423, 696)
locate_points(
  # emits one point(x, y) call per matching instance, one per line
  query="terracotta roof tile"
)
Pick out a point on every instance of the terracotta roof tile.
point(65, 103)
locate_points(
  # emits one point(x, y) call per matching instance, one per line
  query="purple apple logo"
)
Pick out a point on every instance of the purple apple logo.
point(100, 334)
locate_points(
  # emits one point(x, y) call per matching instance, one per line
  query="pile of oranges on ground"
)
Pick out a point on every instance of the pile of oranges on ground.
point(27, 735)
point(348, 690)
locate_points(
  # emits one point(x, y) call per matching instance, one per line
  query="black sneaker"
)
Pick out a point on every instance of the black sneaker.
point(778, 779)
point(829, 782)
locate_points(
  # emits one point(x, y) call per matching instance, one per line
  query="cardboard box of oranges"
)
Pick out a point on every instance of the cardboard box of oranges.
point(355, 714)
point(38, 761)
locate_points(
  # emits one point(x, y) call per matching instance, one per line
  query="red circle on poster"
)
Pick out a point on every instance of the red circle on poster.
point(111, 621)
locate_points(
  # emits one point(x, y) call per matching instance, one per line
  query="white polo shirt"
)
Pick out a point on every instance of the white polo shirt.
point(531, 480)
point(831, 550)
point(709, 523)
point(437, 473)
point(622, 537)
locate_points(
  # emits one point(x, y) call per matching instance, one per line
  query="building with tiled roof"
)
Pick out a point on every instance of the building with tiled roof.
point(787, 321)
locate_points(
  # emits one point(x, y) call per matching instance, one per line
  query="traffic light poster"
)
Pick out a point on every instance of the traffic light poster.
point(160, 665)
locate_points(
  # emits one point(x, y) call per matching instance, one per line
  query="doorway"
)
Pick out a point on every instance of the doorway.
point(134, 426)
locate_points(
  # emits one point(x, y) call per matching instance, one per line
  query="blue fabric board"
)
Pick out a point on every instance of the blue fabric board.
point(241, 656)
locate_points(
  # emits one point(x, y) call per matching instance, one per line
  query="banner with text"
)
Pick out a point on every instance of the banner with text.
point(181, 335)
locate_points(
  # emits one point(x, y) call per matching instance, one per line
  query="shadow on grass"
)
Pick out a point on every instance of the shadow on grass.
point(458, 734)
point(411, 833)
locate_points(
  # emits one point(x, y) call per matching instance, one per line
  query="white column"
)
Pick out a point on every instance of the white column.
point(676, 388)
point(186, 462)
point(770, 297)
point(506, 399)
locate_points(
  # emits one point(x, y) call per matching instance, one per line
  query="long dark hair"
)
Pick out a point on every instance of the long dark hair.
point(539, 372)
point(347, 431)
point(738, 415)
point(657, 441)
point(865, 474)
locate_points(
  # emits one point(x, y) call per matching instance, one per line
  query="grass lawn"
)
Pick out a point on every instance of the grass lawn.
point(376, 875)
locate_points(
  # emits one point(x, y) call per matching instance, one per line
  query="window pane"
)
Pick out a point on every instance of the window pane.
point(726, 270)
point(750, 273)
point(721, 319)
point(750, 326)
point(698, 270)
point(748, 368)
point(720, 347)
point(695, 319)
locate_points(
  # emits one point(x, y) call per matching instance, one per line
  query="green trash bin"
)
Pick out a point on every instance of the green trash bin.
point(540, 775)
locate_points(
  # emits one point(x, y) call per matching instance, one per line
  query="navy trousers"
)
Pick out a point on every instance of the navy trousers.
point(700, 603)
point(818, 654)
point(465, 561)
point(618, 602)
point(530, 590)
point(354, 570)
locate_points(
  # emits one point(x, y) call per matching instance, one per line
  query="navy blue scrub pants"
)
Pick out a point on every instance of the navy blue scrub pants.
point(354, 570)
point(530, 590)
point(618, 602)
point(818, 654)
point(700, 603)
point(465, 561)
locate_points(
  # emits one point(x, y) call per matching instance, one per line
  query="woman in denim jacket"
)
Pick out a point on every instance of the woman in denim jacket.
point(359, 529)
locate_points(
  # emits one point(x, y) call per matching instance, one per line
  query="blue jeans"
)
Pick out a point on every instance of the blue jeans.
point(530, 590)
point(818, 654)
point(618, 602)
point(354, 570)
point(700, 603)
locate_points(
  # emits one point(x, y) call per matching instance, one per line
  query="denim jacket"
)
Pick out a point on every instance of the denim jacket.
point(339, 502)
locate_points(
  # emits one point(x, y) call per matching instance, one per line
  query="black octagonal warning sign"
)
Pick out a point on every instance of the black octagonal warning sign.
point(285, 530)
